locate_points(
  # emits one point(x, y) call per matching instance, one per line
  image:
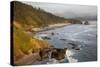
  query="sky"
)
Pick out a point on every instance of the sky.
point(66, 10)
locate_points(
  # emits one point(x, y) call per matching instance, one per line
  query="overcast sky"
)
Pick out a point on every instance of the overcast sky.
point(66, 10)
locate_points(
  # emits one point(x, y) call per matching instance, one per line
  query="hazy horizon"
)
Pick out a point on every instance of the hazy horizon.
point(67, 10)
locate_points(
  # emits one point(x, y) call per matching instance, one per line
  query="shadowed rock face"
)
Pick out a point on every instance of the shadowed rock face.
point(52, 33)
point(58, 54)
point(46, 38)
point(44, 53)
point(86, 22)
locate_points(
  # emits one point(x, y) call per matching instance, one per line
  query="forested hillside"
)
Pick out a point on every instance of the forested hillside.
point(26, 15)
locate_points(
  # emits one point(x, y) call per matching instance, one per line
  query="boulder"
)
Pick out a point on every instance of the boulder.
point(58, 53)
point(86, 23)
point(47, 38)
point(44, 53)
point(52, 33)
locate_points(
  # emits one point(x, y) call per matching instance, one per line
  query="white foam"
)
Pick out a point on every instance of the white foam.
point(51, 61)
point(69, 55)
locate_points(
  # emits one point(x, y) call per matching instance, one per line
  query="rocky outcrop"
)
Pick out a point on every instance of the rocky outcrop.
point(86, 23)
point(58, 53)
point(44, 53)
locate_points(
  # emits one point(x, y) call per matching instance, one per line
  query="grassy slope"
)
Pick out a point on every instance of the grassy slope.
point(24, 44)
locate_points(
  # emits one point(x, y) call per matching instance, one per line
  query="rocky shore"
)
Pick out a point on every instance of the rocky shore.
point(43, 55)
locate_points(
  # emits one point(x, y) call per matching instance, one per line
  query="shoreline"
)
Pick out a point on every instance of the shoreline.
point(50, 27)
